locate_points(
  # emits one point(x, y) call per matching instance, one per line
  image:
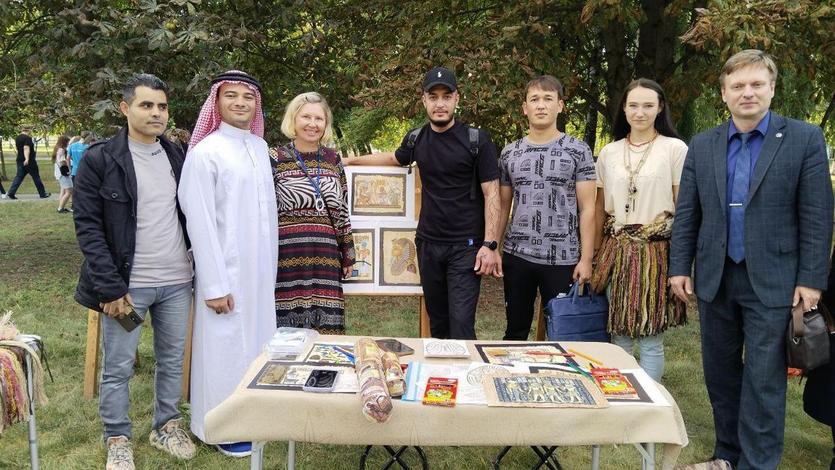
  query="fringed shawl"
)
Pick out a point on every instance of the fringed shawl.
point(633, 261)
point(14, 396)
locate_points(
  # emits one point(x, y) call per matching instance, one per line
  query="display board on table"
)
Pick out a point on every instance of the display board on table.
point(381, 202)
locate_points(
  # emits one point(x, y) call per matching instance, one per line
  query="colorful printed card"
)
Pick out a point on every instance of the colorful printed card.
point(613, 384)
point(440, 391)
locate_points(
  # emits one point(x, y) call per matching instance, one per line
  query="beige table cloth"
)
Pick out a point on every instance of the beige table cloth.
point(330, 418)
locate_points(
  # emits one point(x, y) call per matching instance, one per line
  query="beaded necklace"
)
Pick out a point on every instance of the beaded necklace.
point(632, 188)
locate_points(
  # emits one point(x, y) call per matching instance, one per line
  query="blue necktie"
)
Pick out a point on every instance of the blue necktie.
point(739, 196)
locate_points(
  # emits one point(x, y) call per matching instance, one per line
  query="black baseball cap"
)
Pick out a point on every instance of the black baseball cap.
point(440, 76)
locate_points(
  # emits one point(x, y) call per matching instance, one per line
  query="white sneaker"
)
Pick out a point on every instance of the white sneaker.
point(172, 438)
point(119, 453)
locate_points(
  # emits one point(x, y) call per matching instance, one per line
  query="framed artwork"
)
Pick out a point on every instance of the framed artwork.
point(276, 375)
point(365, 248)
point(330, 353)
point(398, 257)
point(552, 390)
point(381, 194)
point(378, 194)
point(529, 353)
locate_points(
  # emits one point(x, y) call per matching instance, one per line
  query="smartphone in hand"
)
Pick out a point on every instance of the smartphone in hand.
point(129, 321)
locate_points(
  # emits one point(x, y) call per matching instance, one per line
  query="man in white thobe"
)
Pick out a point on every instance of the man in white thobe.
point(228, 197)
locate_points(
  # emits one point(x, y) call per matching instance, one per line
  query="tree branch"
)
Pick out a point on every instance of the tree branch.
point(829, 110)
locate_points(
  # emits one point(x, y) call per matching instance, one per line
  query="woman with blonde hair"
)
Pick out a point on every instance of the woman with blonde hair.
point(316, 247)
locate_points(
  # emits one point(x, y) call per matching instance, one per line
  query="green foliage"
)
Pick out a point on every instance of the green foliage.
point(61, 63)
point(365, 128)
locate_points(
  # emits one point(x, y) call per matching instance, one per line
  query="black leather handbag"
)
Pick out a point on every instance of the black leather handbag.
point(807, 338)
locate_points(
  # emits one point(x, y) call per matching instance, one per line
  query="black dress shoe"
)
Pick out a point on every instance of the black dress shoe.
point(44, 196)
point(11, 196)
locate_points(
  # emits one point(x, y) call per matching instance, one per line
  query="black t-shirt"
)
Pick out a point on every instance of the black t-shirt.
point(447, 214)
point(19, 142)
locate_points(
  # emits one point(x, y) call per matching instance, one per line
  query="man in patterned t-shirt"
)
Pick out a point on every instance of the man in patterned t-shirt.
point(549, 176)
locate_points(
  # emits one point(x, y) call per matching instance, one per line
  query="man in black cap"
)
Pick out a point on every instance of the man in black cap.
point(458, 230)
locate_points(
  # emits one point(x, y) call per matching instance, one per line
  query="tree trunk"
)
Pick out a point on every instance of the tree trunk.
point(829, 110)
point(592, 109)
point(657, 40)
point(618, 69)
point(590, 133)
point(2, 162)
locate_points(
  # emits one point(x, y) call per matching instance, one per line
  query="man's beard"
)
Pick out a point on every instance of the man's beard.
point(441, 122)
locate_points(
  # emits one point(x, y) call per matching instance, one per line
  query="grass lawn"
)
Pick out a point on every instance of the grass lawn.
point(39, 262)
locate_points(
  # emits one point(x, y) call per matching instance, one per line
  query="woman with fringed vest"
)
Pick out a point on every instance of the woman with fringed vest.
point(638, 177)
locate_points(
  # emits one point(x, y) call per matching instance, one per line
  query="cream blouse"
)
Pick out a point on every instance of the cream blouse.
point(654, 181)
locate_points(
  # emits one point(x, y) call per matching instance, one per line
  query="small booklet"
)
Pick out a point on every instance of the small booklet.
point(613, 383)
point(440, 391)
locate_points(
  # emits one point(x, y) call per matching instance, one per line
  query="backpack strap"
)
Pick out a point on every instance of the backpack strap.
point(472, 133)
point(411, 139)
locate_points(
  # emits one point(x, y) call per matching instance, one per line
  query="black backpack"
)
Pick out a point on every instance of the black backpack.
point(472, 133)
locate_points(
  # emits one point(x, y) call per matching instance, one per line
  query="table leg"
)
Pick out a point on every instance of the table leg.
point(497, 463)
point(33, 430)
point(546, 458)
point(595, 457)
point(647, 452)
point(291, 455)
point(394, 457)
point(256, 459)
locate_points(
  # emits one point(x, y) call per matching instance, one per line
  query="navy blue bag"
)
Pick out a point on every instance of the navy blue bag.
point(575, 317)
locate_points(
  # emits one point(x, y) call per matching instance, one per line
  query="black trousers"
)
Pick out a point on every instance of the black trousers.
point(22, 171)
point(2, 189)
point(744, 360)
point(522, 278)
point(450, 288)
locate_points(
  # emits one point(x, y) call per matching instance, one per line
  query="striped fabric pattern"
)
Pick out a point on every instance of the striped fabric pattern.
point(313, 245)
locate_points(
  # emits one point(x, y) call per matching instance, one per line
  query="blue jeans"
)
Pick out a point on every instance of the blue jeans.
point(651, 349)
point(169, 306)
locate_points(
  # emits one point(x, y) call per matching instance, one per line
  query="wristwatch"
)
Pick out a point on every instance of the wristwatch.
point(491, 244)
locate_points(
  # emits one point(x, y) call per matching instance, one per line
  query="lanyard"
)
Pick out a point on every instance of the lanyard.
point(319, 201)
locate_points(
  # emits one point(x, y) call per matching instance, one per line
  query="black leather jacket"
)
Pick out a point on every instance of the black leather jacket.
point(104, 205)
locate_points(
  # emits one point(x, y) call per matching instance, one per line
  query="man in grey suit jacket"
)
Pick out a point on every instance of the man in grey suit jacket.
point(755, 212)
